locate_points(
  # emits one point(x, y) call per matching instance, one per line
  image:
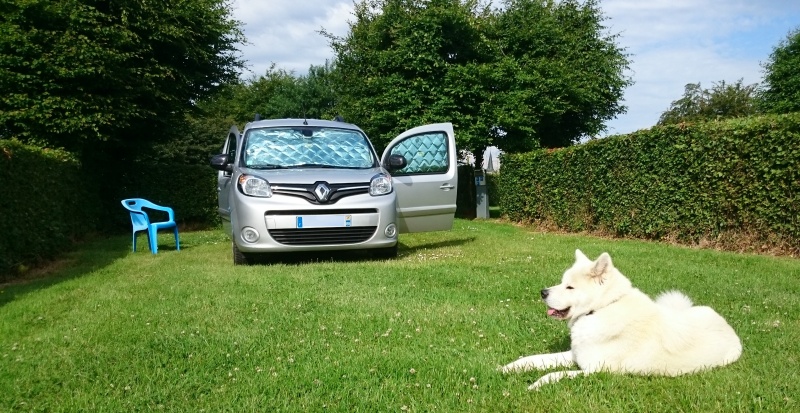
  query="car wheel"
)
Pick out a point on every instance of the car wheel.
point(240, 258)
point(386, 253)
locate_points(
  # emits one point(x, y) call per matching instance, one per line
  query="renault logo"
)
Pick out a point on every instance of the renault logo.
point(322, 192)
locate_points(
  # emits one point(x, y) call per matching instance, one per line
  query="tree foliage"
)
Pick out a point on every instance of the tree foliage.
point(75, 72)
point(563, 74)
point(282, 94)
point(723, 100)
point(531, 73)
point(781, 92)
point(275, 94)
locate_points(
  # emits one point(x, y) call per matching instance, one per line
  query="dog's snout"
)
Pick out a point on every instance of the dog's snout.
point(545, 292)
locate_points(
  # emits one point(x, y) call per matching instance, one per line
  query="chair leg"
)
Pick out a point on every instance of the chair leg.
point(177, 241)
point(152, 235)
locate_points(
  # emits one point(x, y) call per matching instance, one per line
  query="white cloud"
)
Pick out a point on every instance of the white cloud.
point(287, 33)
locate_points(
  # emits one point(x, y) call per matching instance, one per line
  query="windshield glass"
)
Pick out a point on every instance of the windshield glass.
point(289, 147)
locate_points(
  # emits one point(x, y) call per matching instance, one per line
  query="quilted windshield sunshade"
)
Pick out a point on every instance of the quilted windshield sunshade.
point(426, 153)
point(287, 147)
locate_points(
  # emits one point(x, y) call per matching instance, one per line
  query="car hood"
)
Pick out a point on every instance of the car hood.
point(312, 175)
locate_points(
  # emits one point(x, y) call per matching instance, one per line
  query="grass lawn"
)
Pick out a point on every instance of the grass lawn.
point(113, 331)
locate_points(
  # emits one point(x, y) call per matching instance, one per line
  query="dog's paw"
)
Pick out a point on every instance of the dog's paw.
point(554, 377)
point(546, 379)
point(516, 366)
point(535, 386)
point(537, 362)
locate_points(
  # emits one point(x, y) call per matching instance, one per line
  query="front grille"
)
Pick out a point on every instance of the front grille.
point(322, 236)
point(337, 191)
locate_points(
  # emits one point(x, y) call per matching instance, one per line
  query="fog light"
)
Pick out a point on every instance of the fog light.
point(249, 234)
point(390, 231)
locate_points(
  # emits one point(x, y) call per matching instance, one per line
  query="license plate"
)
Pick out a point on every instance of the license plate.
point(324, 221)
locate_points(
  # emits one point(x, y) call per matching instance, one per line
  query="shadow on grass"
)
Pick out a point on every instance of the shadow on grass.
point(300, 258)
point(405, 251)
point(87, 257)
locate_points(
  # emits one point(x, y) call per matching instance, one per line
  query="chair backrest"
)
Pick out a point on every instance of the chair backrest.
point(139, 218)
point(136, 204)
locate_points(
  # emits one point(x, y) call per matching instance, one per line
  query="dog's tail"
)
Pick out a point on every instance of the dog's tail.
point(675, 300)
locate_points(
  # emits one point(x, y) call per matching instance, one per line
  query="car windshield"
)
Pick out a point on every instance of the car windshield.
point(299, 147)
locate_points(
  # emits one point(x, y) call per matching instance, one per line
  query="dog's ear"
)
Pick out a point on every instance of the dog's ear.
point(580, 256)
point(601, 267)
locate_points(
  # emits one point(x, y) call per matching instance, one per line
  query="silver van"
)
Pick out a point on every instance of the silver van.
point(315, 185)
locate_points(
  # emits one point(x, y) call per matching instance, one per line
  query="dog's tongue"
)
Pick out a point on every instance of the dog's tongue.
point(551, 311)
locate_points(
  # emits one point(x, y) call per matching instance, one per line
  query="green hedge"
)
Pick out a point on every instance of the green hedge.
point(683, 182)
point(190, 190)
point(49, 199)
point(44, 204)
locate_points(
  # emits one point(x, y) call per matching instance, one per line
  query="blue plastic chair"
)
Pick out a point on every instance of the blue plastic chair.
point(141, 222)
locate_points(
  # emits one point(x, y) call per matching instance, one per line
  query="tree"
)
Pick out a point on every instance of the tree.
point(532, 73)
point(272, 95)
point(685, 108)
point(275, 94)
point(282, 94)
point(561, 75)
point(723, 100)
point(76, 72)
point(319, 92)
point(781, 92)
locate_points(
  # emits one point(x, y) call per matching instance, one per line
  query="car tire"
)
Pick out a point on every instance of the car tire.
point(240, 258)
point(386, 253)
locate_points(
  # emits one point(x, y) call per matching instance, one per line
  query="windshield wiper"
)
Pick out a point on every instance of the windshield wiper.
point(316, 165)
point(267, 166)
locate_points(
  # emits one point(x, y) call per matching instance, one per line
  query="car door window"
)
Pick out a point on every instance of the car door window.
point(425, 153)
point(231, 146)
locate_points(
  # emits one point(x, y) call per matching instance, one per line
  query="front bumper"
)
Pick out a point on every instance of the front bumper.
point(285, 223)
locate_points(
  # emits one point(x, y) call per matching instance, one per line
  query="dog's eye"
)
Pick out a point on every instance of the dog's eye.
point(569, 287)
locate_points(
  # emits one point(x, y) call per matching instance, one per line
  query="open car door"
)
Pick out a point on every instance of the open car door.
point(224, 177)
point(426, 186)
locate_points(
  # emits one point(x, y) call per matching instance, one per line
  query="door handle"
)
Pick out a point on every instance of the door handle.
point(446, 186)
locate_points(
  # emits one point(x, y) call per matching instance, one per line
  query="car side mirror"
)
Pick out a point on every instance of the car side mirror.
point(396, 162)
point(222, 162)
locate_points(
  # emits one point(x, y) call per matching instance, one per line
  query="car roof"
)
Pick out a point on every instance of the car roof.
point(267, 123)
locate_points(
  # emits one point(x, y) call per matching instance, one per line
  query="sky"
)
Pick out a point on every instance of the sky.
point(670, 43)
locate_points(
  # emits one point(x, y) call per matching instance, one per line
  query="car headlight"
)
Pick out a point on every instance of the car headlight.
point(254, 186)
point(381, 184)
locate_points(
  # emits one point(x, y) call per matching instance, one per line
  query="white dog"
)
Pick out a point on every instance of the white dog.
point(617, 328)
